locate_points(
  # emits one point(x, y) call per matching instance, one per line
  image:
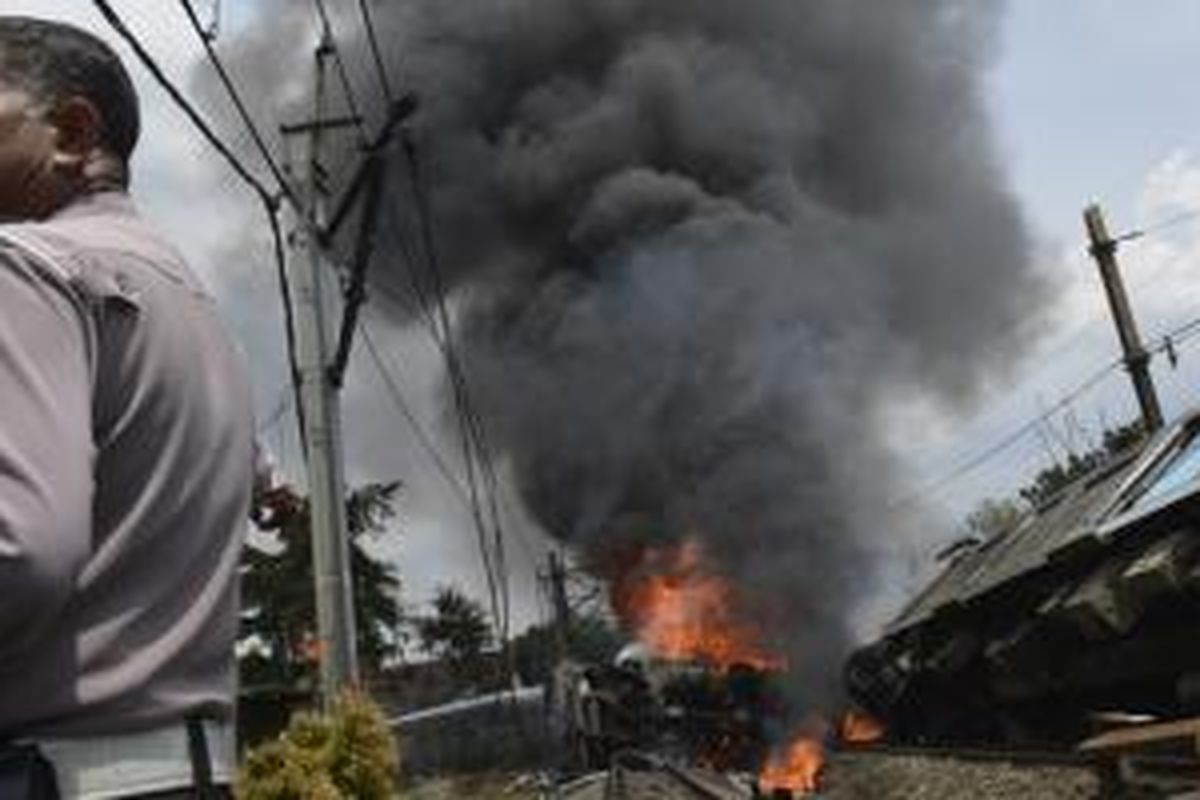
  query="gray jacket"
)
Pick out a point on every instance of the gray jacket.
point(126, 450)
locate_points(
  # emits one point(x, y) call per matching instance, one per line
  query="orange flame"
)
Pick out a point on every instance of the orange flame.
point(795, 769)
point(682, 611)
point(861, 728)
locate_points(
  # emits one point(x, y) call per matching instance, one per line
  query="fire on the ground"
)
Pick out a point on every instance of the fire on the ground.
point(699, 685)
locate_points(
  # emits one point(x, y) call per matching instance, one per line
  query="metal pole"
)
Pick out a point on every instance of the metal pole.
point(1137, 360)
point(322, 417)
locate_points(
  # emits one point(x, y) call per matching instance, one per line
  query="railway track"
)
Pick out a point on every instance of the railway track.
point(888, 773)
point(633, 774)
point(644, 776)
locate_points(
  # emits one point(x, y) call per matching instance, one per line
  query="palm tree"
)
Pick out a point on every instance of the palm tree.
point(278, 626)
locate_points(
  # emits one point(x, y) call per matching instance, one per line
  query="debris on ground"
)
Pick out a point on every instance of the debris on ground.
point(487, 786)
point(909, 776)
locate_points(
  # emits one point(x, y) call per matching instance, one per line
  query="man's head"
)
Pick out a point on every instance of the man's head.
point(69, 116)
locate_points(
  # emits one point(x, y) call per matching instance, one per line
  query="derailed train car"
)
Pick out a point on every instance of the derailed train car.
point(684, 710)
point(1090, 606)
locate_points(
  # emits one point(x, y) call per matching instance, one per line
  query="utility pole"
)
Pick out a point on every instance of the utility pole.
point(556, 577)
point(313, 280)
point(1137, 359)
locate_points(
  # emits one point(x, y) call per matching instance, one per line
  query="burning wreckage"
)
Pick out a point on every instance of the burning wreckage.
point(698, 688)
point(1031, 640)
point(1085, 611)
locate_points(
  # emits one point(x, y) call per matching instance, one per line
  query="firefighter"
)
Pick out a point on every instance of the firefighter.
point(126, 450)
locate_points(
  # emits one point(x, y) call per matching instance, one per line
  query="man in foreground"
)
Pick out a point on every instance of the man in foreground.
point(125, 449)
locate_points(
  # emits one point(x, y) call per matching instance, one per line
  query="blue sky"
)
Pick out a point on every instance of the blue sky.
point(1091, 100)
point(1089, 96)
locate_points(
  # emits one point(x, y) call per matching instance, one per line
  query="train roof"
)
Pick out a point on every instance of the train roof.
point(1127, 493)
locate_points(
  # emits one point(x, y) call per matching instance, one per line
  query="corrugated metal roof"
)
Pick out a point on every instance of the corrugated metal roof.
point(1077, 514)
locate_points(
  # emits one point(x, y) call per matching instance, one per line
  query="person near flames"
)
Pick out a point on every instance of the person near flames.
point(126, 453)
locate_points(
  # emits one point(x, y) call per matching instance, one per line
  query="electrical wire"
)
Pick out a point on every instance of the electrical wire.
point(1180, 333)
point(235, 97)
point(285, 189)
point(269, 200)
point(476, 457)
point(1071, 339)
point(330, 40)
point(1155, 227)
point(975, 462)
point(376, 54)
point(279, 408)
point(419, 311)
point(197, 120)
point(289, 324)
point(475, 437)
point(1164, 340)
point(385, 370)
point(270, 204)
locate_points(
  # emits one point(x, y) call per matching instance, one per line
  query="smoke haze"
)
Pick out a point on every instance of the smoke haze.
point(693, 246)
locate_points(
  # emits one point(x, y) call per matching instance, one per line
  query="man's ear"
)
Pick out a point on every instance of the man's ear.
point(78, 125)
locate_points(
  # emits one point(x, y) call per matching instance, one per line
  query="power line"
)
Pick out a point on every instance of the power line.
point(269, 200)
point(386, 369)
point(376, 54)
point(285, 192)
point(147, 61)
point(1183, 331)
point(433, 307)
point(278, 410)
point(1155, 227)
point(270, 204)
point(402, 405)
point(330, 41)
point(1072, 338)
point(472, 488)
point(476, 458)
point(289, 321)
point(235, 96)
point(1177, 335)
point(418, 310)
point(1005, 443)
point(475, 438)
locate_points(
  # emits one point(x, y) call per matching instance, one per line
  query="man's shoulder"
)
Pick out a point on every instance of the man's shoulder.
point(97, 224)
point(100, 235)
point(22, 249)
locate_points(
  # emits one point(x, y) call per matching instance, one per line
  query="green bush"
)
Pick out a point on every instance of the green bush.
point(348, 753)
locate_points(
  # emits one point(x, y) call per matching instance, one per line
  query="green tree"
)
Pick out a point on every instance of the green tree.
point(456, 633)
point(1053, 479)
point(278, 605)
point(993, 517)
point(589, 638)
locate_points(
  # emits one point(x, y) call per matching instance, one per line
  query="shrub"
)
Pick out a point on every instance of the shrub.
point(348, 753)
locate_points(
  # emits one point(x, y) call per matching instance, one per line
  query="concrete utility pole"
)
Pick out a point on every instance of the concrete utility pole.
point(556, 578)
point(1137, 359)
point(313, 282)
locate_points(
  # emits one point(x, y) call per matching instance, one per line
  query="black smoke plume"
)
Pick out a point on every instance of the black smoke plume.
point(693, 247)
